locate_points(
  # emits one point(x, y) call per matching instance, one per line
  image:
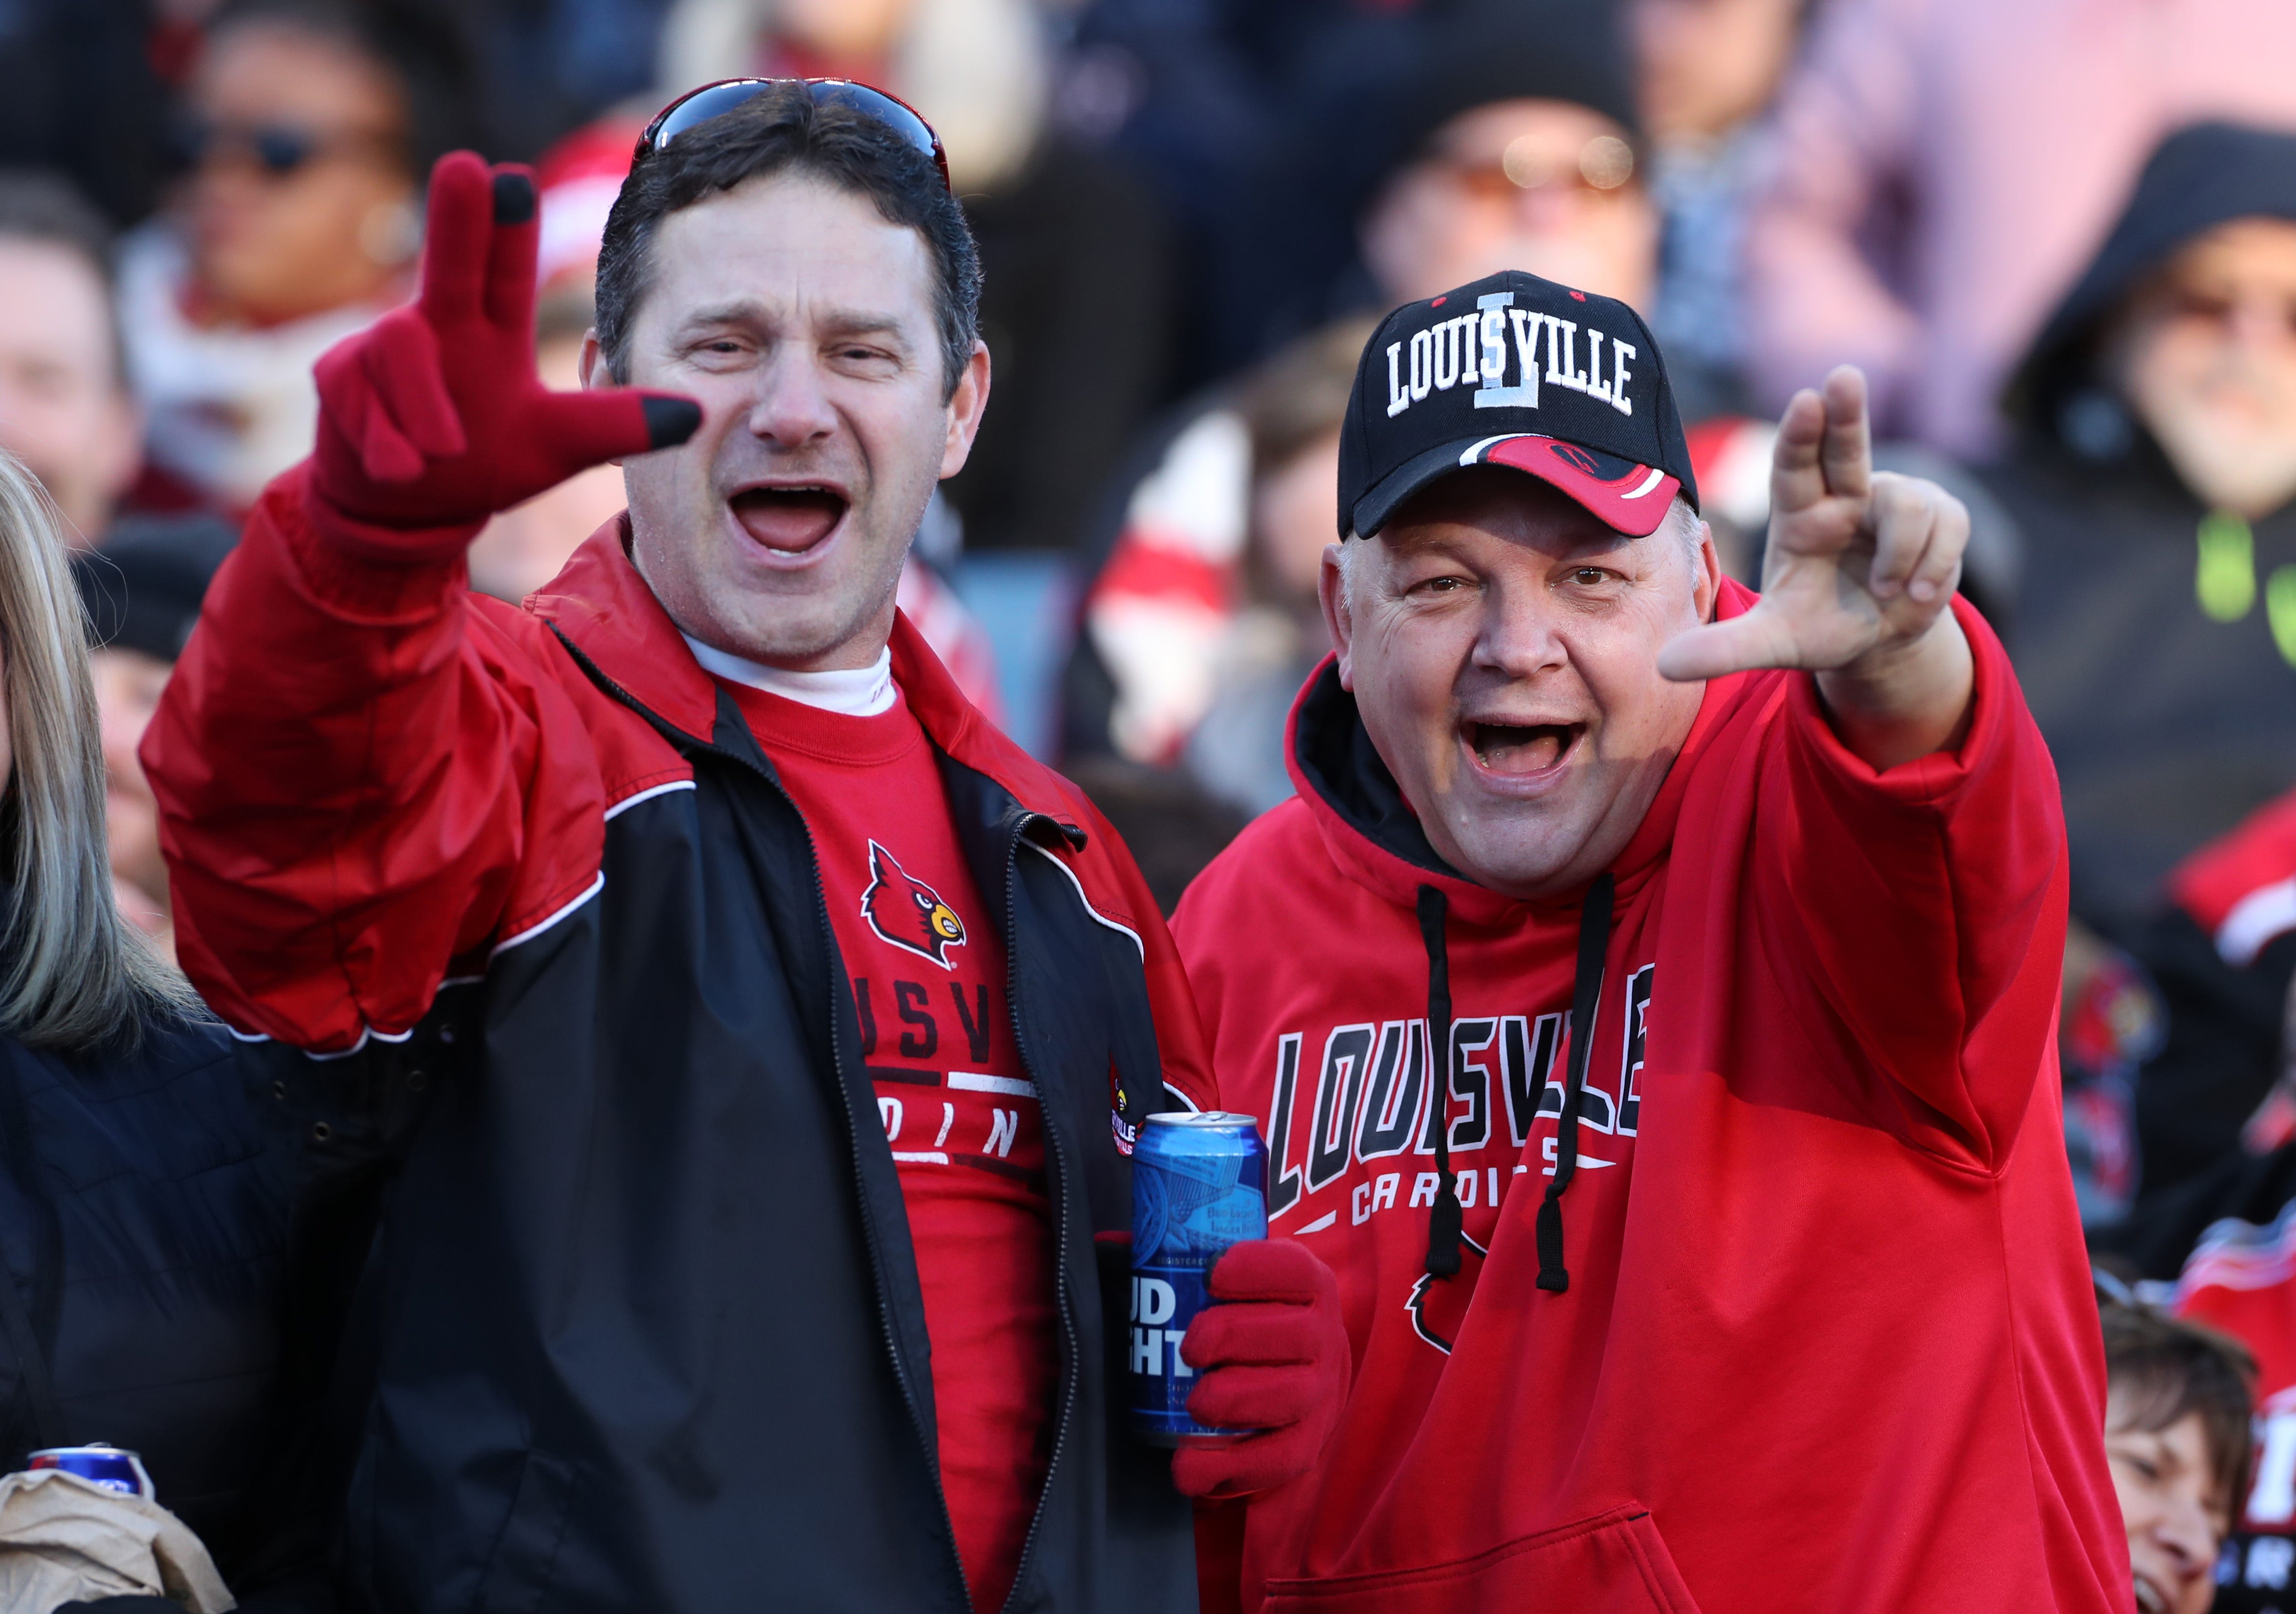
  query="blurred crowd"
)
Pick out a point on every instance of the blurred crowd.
point(2059, 235)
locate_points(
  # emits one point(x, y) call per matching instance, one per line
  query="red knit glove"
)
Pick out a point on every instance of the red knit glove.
point(1273, 1356)
point(432, 419)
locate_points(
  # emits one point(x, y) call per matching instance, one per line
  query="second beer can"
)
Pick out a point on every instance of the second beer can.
point(1199, 1184)
point(108, 1466)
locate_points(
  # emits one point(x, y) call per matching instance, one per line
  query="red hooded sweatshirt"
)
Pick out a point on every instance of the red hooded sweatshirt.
point(1827, 1341)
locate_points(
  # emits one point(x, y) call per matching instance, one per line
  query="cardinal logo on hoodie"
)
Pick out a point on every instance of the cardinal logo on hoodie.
point(908, 913)
point(1438, 1306)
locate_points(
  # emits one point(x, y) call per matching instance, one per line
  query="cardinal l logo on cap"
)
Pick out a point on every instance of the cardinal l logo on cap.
point(1514, 371)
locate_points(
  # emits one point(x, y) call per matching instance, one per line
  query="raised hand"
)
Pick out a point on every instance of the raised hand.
point(1860, 568)
point(433, 418)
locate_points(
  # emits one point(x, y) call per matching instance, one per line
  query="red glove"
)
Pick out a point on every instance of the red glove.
point(1273, 1356)
point(432, 419)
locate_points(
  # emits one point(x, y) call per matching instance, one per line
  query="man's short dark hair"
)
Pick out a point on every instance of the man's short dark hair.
point(783, 130)
point(37, 205)
point(44, 207)
point(2165, 1368)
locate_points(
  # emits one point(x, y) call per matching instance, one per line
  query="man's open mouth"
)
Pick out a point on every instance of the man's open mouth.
point(2150, 1598)
point(1509, 748)
point(792, 519)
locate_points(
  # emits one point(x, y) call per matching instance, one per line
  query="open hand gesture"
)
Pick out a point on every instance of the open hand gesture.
point(432, 419)
point(1860, 568)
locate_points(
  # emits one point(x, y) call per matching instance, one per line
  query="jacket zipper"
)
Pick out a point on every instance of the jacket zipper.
point(1074, 1349)
point(925, 1438)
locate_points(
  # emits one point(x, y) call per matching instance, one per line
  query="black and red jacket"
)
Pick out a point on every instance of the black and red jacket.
point(649, 1335)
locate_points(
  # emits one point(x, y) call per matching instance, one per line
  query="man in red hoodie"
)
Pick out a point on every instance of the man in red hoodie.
point(1732, 1263)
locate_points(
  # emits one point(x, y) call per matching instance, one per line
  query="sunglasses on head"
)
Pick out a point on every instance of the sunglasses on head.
point(715, 100)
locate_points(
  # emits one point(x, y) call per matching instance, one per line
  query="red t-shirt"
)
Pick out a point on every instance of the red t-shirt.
point(921, 943)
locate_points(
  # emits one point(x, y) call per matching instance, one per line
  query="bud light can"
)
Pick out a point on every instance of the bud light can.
point(100, 1464)
point(1199, 1184)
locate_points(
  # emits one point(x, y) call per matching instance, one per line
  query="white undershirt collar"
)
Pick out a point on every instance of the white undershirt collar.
point(859, 691)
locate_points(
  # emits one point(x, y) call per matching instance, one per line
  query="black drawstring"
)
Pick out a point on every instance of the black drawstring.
point(1587, 992)
point(1444, 1220)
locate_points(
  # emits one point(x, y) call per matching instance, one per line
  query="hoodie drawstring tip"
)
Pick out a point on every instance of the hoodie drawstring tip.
point(1553, 1276)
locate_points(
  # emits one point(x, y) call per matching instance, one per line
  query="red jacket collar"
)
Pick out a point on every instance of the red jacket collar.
point(1397, 878)
point(607, 610)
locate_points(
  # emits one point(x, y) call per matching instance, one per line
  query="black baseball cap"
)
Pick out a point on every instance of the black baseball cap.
point(1515, 371)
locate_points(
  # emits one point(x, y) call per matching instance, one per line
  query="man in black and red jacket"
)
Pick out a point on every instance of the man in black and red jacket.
point(785, 1029)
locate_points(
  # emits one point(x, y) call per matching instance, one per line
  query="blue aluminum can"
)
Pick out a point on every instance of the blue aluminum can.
point(1199, 1184)
point(105, 1465)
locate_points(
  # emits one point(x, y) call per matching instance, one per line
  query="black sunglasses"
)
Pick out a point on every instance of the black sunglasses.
point(278, 149)
point(714, 100)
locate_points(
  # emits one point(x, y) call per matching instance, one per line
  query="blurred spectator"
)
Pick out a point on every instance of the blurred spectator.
point(1505, 138)
point(81, 95)
point(1248, 115)
point(1171, 827)
point(1509, 145)
point(2177, 1435)
point(547, 67)
point(2156, 628)
point(1292, 409)
point(147, 1274)
point(64, 406)
point(2222, 952)
point(1077, 257)
point(1705, 71)
point(307, 124)
point(2241, 1279)
point(1945, 165)
point(142, 592)
point(1517, 155)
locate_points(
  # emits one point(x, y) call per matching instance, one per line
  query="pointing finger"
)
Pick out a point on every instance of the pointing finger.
point(455, 237)
point(586, 429)
point(1756, 639)
point(1849, 450)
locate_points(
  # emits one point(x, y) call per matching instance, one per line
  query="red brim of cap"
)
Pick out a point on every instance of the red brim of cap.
point(1634, 500)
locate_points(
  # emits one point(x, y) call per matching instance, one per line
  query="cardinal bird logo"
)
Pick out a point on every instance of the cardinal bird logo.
point(907, 912)
point(1438, 1306)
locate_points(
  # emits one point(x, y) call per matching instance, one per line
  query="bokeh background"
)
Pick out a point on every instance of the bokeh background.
point(2060, 235)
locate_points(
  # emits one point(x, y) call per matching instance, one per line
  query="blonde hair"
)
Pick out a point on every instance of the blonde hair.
point(74, 975)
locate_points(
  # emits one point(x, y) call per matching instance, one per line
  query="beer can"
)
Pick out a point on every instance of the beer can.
point(1199, 1184)
point(108, 1466)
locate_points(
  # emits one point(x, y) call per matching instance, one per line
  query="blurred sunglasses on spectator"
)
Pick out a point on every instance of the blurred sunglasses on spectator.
point(1601, 167)
point(2276, 311)
point(278, 149)
point(715, 100)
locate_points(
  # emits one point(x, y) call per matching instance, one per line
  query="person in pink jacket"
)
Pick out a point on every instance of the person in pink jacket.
point(1989, 144)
